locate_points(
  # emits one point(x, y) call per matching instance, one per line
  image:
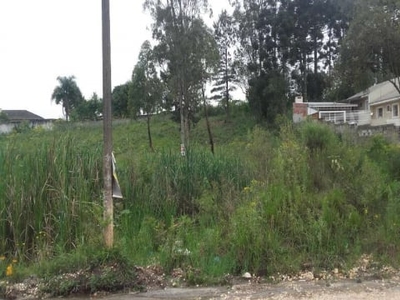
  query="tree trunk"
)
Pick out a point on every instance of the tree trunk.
point(210, 137)
point(66, 107)
point(226, 86)
point(305, 77)
point(315, 55)
point(187, 124)
point(149, 132)
point(182, 119)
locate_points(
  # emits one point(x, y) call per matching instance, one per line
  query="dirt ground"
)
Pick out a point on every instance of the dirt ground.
point(367, 280)
point(322, 290)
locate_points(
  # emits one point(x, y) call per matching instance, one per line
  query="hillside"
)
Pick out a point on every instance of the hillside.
point(299, 198)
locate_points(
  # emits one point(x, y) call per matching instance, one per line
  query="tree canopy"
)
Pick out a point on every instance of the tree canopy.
point(182, 40)
point(370, 50)
point(68, 94)
point(225, 77)
point(274, 50)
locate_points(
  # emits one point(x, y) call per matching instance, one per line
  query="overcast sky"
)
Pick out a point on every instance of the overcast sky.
point(43, 39)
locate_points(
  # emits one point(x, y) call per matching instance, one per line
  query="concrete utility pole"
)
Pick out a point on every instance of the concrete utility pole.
point(107, 128)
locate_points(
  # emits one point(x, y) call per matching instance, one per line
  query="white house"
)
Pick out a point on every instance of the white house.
point(381, 101)
point(16, 117)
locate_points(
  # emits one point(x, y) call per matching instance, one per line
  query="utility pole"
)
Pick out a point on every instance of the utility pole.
point(107, 128)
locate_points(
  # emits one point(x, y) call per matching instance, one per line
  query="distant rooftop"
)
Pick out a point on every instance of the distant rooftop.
point(385, 94)
point(21, 115)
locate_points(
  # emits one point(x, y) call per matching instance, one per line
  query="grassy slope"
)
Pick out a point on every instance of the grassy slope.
point(263, 203)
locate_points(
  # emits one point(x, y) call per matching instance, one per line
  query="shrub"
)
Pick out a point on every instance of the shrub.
point(317, 136)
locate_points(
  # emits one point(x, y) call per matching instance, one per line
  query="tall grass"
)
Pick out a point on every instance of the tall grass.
point(169, 192)
point(50, 196)
point(265, 202)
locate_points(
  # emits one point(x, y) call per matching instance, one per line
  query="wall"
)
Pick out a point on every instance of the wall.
point(391, 132)
point(300, 111)
point(8, 128)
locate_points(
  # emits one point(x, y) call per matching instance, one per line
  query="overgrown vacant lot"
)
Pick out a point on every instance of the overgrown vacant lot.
point(285, 200)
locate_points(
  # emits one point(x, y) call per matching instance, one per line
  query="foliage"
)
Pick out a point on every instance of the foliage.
point(287, 48)
point(369, 51)
point(4, 119)
point(317, 137)
point(53, 185)
point(87, 272)
point(68, 94)
point(120, 99)
point(22, 127)
point(225, 78)
point(184, 42)
point(267, 96)
point(266, 202)
point(88, 110)
point(146, 90)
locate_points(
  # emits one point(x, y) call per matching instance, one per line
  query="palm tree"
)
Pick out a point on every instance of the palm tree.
point(67, 93)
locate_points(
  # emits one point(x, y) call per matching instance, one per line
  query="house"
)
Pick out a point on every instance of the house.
point(334, 112)
point(381, 101)
point(378, 105)
point(16, 117)
point(374, 110)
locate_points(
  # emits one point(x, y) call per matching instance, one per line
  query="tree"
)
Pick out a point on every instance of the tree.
point(88, 110)
point(286, 48)
point(370, 50)
point(209, 56)
point(68, 94)
point(120, 95)
point(225, 78)
point(265, 54)
point(146, 89)
point(178, 29)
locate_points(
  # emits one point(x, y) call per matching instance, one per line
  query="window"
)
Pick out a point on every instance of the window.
point(380, 112)
point(395, 110)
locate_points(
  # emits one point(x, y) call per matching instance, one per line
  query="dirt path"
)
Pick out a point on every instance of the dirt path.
point(321, 290)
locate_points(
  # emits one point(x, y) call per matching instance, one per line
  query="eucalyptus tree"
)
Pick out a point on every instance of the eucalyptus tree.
point(338, 15)
point(303, 36)
point(249, 34)
point(260, 48)
point(225, 77)
point(146, 89)
point(176, 28)
point(68, 94)
point(208, 58)
point(370, 51)
point(288, 48)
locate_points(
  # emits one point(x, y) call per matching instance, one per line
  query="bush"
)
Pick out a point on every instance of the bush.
point(317, 136)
